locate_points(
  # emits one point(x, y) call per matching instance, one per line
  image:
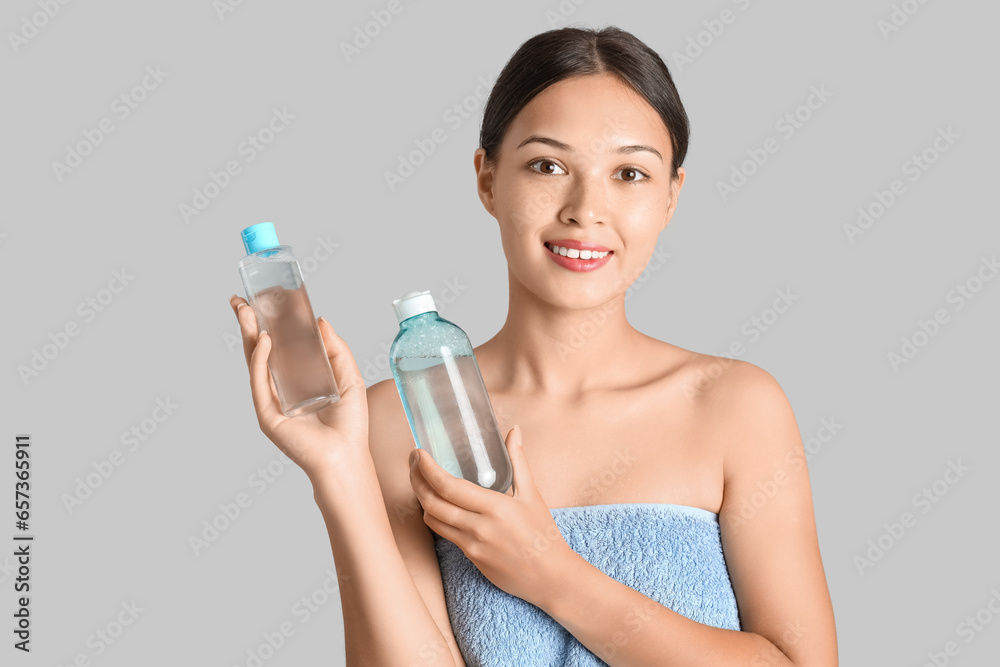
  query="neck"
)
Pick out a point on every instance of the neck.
point(557, 351)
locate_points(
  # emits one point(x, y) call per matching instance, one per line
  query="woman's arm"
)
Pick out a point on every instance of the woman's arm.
point(393, 614)
point(771, 551)
point(390, 581)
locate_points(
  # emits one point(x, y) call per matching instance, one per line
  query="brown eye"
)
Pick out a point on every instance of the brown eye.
point(545, 167)
point(631, 175)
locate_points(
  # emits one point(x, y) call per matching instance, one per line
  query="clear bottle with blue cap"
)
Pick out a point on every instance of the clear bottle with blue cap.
point(276, 291)
point(444, 396)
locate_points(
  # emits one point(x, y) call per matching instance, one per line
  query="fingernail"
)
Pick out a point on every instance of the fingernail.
point(415, 457)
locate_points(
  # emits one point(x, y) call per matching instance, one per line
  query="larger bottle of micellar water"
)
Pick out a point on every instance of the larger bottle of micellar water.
point(275, 290)
point(444, 396)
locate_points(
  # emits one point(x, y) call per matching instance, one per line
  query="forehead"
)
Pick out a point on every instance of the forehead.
point(584, 107)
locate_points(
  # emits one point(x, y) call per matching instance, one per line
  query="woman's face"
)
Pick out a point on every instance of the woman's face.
point(588, 159)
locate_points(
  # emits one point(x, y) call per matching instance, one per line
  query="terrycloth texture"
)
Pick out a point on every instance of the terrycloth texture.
point(671, 553)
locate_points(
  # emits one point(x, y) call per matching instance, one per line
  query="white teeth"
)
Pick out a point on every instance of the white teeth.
point(573, 253)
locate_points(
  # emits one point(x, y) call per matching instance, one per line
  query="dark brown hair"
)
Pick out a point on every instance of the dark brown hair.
point(555, 55)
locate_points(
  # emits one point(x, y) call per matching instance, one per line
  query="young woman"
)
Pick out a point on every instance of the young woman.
point(661, 511)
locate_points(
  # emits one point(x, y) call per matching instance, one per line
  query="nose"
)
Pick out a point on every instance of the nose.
point(586, 201)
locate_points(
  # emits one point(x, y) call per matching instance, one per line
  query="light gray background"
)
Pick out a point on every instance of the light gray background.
point(170, 333)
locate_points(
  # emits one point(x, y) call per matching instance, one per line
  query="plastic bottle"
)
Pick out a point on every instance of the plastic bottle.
point(276, 292)
point(444, 396)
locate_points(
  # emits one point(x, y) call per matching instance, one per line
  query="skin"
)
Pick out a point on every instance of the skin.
point(592, 414)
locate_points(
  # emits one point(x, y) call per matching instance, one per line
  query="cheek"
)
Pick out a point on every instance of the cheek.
point(649, 201)
point(528, 203)
point(640, 214)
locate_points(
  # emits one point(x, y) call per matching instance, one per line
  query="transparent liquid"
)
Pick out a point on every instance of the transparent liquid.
point(297, 360)
point(451, 416)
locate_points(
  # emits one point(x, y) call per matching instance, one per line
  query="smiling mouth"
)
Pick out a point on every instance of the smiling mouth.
point(573, 253)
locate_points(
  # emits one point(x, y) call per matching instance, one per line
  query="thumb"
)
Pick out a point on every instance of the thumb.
point(524, 483)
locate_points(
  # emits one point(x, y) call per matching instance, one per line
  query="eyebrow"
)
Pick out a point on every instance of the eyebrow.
point(635, 148)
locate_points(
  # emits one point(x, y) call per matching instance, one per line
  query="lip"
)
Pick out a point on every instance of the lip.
point(578, 264)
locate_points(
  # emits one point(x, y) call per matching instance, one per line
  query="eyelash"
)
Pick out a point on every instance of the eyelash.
point(645, 176)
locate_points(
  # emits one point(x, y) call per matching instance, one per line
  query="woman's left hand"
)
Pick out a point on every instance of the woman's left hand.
point(512, 539)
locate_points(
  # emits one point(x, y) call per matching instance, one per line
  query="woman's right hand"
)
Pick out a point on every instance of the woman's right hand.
point(321, 440)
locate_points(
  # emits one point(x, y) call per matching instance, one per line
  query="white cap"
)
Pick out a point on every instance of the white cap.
point(412, 304)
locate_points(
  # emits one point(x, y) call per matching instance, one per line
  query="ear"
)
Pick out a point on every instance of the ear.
point(675, 191)
point(484, 180)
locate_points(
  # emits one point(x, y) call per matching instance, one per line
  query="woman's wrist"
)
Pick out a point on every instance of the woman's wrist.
point(343, 473)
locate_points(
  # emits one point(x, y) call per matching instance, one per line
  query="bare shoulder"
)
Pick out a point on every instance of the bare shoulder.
point(389, 440)
point(712, 379)
point(383, 398)
point(709, 381)
point(735, 395)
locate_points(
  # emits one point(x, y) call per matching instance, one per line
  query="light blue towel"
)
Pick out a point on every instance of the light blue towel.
point(670, 553)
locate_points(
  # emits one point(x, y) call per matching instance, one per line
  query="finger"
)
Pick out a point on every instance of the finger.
point(248, 325)
point(523, 483)
point(420, 486)
point(449, 533)
point(430, 501)
point(345, 368)
point(454, 491)
point(435, 506)
point(265, 402)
